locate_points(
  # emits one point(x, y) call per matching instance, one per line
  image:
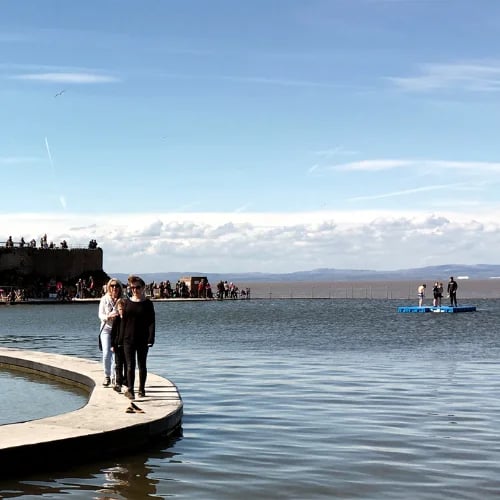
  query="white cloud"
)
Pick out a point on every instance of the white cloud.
point(404, 192)
point(65, 77)
point(473, 166)
point(472, 77)
point(375, 165)
point(434, 165)
point(151, 230)
point(272, 242)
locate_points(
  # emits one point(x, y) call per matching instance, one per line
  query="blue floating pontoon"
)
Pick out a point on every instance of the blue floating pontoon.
point(435, 309)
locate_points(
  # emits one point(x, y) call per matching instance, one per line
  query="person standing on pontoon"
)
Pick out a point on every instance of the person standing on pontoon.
point(452, 291)
point(421, 294)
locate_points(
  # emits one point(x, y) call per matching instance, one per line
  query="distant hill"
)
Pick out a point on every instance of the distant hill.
point(442, 273)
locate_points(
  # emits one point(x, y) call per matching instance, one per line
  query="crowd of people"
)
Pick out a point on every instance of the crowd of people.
point(229, 290)
point(44, 243)
point(200, 290)
point(13, 295)
point(86, 288)
point(165, 290)
point(437, 293)
point(52, 289)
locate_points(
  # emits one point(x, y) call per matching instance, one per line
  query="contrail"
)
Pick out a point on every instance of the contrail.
point(50, 156)
point(62, 199)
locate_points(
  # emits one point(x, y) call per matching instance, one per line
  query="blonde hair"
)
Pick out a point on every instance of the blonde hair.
point(114, 281)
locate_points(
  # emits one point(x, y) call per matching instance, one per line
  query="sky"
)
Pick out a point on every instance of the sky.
point(262, 136)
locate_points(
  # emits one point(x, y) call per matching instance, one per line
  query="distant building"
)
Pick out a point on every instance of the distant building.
point(192, 283)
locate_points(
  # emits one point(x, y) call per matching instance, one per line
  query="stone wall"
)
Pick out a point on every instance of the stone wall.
point(61, 264)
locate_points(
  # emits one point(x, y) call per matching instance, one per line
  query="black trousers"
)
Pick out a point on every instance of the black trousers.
point(132, 351)
point(120, 366)
point(453, 298)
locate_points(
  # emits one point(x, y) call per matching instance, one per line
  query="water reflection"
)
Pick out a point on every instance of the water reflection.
point(133, 476)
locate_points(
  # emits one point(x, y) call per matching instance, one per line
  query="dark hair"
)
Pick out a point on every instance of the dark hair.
point(136, 279)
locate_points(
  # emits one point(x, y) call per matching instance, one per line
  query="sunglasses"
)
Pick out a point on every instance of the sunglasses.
point(136, 287)
point(114, 286)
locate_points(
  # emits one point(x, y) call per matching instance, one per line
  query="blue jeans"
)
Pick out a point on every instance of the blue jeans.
point(108, 359)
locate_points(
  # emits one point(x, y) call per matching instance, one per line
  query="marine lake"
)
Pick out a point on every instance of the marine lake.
point(292, 398)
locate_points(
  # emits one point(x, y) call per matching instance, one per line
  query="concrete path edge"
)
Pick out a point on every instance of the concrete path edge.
point(100, 429)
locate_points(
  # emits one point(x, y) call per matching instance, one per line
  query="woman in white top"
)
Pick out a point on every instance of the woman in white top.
point(107, 314)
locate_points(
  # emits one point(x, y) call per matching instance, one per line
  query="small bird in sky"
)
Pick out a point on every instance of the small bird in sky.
point(60, 93)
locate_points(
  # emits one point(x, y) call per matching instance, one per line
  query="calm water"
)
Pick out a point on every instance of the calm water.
point(298, 399)
point(26, 396)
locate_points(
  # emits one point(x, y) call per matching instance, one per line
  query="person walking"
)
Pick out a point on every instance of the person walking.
point(452, 291)
point(107, 314)
point(138, 330)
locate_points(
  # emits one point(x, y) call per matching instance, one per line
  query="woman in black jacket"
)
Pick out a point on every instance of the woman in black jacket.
point(138, 331)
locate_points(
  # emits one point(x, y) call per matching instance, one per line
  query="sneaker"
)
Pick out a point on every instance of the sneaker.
point(142, 393)
point(107, 381)
point(129, 394)
point(117, 388)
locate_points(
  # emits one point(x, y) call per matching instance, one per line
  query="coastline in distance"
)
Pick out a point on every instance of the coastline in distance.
point(468, 290)
point(475, 281)
point(439, 273)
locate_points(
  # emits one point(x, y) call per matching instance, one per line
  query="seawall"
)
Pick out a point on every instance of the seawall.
point(46, 263)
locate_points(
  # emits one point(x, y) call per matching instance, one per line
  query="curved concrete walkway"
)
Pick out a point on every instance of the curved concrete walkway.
point(100, 429)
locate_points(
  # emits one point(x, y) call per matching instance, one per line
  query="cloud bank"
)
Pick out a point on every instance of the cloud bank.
point(279, 242)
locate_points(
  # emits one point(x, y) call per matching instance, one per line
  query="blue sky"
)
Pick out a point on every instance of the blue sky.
point(272, 135)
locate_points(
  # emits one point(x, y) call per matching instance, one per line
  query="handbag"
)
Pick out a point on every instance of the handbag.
point(99, 336)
